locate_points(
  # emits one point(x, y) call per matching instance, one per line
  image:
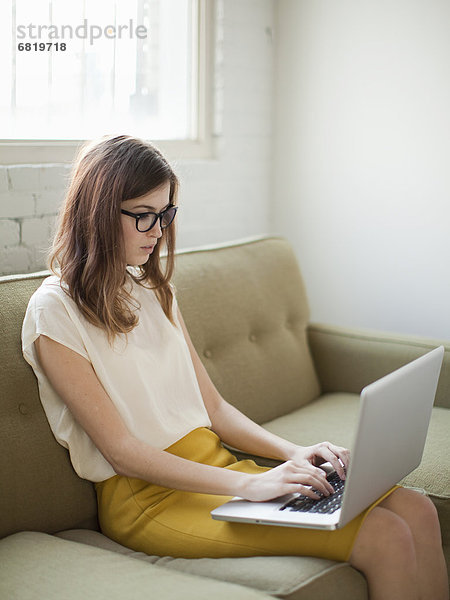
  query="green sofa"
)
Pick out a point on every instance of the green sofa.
point(246, 309)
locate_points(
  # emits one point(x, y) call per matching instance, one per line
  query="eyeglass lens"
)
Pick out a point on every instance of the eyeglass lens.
point(147, 221)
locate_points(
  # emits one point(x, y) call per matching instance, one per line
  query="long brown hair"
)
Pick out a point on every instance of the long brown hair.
point(88, 250)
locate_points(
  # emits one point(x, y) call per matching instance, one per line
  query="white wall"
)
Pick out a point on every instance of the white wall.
point(230, 197)
point(223, 198)
point(362, 147)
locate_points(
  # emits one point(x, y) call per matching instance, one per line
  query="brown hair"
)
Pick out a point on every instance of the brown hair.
point(88, 247)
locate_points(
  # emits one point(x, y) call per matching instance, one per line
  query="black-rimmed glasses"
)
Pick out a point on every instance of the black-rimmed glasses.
point(145, 221)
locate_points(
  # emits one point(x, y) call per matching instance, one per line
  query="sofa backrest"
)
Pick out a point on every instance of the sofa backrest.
point(39, 490)
point(245, 307)
point(246, 310)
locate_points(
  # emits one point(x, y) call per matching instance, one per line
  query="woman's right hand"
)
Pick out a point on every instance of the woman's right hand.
point(287, 478)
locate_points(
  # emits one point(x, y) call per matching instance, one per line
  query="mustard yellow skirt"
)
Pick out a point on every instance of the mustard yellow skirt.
point(166, 522)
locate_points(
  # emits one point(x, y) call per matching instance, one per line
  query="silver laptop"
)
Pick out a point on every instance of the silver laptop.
point(393, 422)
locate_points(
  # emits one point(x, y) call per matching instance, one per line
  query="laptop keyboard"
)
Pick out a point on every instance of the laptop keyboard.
point(327, 504)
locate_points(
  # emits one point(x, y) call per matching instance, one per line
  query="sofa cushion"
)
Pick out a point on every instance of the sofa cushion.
point(293, 578)
point(334, 417)
point(44, 492)
point(36, 565)
point(246, 310)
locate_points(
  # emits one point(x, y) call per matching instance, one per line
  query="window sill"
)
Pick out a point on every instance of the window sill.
point(13, 152)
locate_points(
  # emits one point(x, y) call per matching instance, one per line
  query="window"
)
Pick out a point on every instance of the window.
point(77, 70)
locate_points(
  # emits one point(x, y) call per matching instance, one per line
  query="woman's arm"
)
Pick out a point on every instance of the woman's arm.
point(240, 432)
point(74, 379)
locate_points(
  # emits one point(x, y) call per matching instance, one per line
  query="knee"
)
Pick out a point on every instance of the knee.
point(417, 510)
point(391, 533)
point(420, 503)
point(384, 538)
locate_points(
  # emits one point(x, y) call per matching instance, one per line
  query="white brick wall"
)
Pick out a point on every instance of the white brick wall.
point(4, 186)
point(230, 198)
point(224, 198)
point(36, 232)
point(29, 200)
point(9, 232)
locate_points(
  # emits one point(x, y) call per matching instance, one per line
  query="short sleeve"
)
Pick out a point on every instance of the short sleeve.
point(47, 314)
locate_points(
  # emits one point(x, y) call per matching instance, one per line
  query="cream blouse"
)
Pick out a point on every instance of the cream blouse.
point(148, 374)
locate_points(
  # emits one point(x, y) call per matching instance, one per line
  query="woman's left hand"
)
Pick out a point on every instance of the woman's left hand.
point(321, 453)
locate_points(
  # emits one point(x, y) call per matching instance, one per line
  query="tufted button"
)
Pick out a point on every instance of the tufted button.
point(252, 337)
point(23, 409)
point(207, 353)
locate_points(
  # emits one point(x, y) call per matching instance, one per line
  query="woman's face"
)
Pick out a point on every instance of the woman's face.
point(139, 245)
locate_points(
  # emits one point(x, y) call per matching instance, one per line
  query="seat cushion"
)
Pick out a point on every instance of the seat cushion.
point(333, 417)
point(36, 565)
point(293, 578)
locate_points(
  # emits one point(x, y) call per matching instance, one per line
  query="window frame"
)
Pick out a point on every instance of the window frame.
point(62, 151)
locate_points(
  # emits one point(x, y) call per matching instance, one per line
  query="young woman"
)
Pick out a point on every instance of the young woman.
point(125, 391)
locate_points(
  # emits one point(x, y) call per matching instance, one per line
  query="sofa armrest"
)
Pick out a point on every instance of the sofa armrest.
point(346, 360)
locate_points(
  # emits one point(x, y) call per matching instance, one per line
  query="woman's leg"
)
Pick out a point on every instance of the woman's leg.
point(420, 514)
point(384, 552)
point(399, 550)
